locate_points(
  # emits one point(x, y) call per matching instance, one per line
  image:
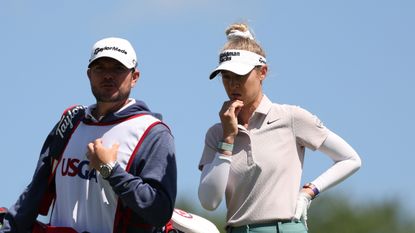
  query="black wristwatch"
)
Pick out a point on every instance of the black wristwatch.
point(106, 169)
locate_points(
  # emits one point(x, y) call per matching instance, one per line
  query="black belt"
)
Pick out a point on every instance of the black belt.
point(256, 225)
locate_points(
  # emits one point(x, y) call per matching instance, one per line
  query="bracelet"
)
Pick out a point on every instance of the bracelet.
point(225, 146)
point(313, 188)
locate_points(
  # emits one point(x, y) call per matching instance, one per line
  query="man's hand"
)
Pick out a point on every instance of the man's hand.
point(98, 154)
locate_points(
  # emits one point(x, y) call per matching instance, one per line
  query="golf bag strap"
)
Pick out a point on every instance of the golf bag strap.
point(61, 134)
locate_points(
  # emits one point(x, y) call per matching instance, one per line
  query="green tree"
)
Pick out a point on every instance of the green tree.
point(336, 213)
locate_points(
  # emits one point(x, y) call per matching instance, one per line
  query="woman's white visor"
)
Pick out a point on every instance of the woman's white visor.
point(239, 62)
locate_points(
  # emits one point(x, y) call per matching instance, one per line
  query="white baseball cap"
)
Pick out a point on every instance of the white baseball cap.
point(116, 48)
point(237, 61)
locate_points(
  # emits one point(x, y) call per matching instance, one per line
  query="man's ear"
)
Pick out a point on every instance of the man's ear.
point(135, 77)
point(88, 73)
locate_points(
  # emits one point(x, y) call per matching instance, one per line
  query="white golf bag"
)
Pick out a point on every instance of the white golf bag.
point(184, 222)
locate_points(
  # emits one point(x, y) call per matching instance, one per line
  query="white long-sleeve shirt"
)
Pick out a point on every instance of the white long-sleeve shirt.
point(261, 179)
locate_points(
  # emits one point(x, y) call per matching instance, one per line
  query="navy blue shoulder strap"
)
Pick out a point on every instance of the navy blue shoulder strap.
point(70, 119)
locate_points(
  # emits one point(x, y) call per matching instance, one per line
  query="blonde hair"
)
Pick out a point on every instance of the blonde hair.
point(240, 37)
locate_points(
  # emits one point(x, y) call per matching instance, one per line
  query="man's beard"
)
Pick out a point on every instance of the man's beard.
point(103, 97)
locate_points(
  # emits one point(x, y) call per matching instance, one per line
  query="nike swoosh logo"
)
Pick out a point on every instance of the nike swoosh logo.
point(271, 121)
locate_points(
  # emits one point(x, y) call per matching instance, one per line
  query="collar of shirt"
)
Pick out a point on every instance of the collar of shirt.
point(265, 106)
point(88, 112)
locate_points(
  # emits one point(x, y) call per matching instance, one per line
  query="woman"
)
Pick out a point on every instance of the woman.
point(255, 155)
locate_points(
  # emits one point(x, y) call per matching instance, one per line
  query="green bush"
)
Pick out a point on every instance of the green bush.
point(335, 213)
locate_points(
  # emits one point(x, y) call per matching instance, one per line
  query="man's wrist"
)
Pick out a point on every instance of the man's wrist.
point(107, 169)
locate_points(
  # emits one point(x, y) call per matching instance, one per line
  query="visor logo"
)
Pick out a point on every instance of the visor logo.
point(227, 56)
point(261, 60)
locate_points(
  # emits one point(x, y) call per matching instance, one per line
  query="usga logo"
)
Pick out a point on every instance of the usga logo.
point(75, 167)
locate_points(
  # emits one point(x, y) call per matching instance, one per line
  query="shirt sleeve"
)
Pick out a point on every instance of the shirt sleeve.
point(213, 135)
point(308, 129)
point(345, 158)
point(23, 213)
point(213, 181)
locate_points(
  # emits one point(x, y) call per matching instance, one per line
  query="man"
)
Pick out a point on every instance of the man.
point(117, 168)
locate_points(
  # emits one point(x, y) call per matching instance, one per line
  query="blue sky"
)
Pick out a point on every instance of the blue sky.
point(349, 62)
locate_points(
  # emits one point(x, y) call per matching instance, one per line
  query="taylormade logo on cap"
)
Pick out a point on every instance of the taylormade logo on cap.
point(116, 48)
point(97, 50)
